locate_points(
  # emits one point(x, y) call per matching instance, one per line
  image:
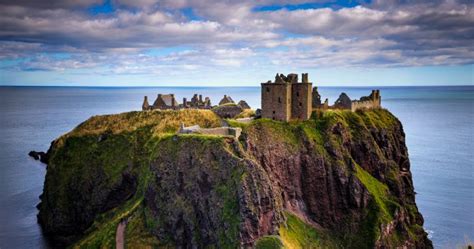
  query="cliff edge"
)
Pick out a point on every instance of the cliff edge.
point(341, 179)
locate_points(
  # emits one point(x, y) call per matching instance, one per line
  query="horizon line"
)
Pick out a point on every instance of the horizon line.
point(231, 86)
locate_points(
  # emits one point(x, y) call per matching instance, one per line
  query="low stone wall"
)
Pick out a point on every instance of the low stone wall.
point(221, 131)
point(189, 129)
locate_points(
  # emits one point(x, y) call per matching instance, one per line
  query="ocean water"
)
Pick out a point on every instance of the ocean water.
point(438, 122)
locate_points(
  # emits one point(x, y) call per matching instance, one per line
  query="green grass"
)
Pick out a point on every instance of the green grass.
point(159, 121)
point(102, 233)
point(295, 234)
point(246, 113)
point(269, 242)
point(379, 211)
point(377, 190)
point(137, 235)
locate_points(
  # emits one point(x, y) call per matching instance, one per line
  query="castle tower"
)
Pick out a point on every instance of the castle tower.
point(301, 99)
point(286, 98)
point(276, 100)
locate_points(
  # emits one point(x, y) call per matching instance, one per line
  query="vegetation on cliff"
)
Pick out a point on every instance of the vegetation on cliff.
point(340, 179)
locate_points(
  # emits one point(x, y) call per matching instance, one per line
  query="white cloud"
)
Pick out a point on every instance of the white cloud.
point(231, 34)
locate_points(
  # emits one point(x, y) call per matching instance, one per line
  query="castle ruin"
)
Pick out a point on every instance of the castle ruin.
point(169, 102)
point(286, 99)
point(374, 100)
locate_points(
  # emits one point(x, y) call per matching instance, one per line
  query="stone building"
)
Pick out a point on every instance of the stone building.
point(286, 98)
point(343, 102)
point(165, 101)
point(226, 100)
point(168, 101)
point(197, 102)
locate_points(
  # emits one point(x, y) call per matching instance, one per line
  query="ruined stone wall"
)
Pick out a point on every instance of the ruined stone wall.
point(301, 101)
point(372, 101)
point(276, 101)
point(356, 105)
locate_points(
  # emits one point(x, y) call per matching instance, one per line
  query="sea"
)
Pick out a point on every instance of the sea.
point(438, 122)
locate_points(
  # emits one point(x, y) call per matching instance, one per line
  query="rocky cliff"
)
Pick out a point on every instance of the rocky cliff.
point(338, 180)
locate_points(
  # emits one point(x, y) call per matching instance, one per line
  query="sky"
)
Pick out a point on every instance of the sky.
point(235, 42)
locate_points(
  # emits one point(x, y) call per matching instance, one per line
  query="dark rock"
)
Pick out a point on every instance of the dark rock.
point(41, 156)
point(34, 154)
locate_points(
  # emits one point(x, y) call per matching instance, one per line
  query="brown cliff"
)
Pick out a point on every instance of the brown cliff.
point(341, 179)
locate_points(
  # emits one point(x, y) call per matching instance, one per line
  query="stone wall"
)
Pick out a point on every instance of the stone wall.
point(276, 101)
point(221, 131)
point(372, 101)
point(301, 101)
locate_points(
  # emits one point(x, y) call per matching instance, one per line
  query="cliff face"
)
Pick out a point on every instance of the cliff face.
point(339, 180)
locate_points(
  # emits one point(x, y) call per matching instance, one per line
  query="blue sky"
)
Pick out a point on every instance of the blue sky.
point(233, 43)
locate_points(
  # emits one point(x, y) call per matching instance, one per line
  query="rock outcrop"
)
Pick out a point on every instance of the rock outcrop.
point(341, 179)
point(41, 156)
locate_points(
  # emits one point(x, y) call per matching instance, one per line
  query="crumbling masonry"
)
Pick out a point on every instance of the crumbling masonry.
point(286, 99)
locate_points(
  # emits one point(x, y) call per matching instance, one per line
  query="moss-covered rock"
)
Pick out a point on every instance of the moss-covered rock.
point(338, 180)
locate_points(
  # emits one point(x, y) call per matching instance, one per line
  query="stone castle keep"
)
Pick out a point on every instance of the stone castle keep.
point(286, 99)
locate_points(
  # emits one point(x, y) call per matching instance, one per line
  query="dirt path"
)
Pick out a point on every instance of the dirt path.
point(120, 235)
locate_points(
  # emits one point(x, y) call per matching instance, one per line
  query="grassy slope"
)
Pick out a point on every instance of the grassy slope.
point(111, 143)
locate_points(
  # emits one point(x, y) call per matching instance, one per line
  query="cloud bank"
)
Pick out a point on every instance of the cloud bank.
point(149, 36)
